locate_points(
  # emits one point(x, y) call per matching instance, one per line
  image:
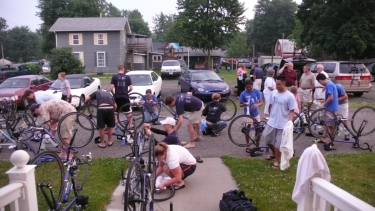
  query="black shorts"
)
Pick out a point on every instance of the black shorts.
point(122, 101)
point(105, 116)
point(187, 170)
point(65, 98)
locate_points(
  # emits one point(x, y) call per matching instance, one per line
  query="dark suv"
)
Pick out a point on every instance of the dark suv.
point(371, 68)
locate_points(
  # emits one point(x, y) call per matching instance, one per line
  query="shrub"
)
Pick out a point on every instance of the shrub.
point(34, 67)
point(62, 60)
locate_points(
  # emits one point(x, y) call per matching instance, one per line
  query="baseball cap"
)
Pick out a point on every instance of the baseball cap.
point(256, 64)
point(33, 107)
point(168, 121)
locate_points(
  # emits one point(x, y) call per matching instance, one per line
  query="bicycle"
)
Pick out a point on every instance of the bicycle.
point(54, 185)
point(301, 119)
point(323, 118)
point(139, 182)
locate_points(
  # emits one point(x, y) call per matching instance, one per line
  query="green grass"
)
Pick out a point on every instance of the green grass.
point(272, 189)
point(103, 77)
point(102, 179)
point(353, 104)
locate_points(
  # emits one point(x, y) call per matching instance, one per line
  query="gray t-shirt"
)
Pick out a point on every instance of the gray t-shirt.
point(258, 73)
point(102, 97)
point(282, 104)
point(64, 87)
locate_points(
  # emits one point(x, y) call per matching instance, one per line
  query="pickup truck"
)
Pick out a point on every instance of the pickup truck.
point(8, 71)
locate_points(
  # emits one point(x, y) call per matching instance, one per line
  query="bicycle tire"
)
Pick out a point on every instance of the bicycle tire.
point(76, 121)
point(137, 115)
point(21, 122)
point(49, 170)
point(231, 111)
point(238, 128)
point(367, 115)
point(78, 102)
point(317, 121)
point(298, 126)
point(133, 187)
point(164, 195)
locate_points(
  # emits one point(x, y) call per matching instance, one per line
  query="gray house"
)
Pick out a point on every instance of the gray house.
point(102, 43)
point(197, 59)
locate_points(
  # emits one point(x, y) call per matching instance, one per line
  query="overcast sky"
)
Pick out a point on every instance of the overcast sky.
point(23, 12)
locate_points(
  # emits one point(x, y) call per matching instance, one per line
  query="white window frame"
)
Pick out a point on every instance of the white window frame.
point(100, 40)
point(97, 59)
point(76, 54)
point(75, 39)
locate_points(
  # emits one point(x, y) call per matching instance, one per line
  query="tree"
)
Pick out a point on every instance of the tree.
point(3, 29)
point(136, 22)
point(21, 44)
point(342, 28)
point(63, 60)
point(111, 11)
point(162, 25)
point(296, 33)
point(272, 20)
point(210, 24)
point(238, 47)
point(51, 10)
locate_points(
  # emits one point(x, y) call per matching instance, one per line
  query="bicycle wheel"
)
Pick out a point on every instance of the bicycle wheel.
point(244, 130)
point(75, 121)
point(133, 187)
point(135, 111)
point(319, 120)
point(163, 195)
point(20, 122)
point(49, 178)
point(78, 102)
point(231, 111)
point(363, 121)
point(298, 126)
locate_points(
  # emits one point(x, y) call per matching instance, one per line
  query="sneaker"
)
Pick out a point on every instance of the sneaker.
point(347, 137)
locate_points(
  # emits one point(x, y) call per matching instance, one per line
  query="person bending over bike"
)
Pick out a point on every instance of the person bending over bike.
point(213, 112)
point(175, 161)
point(171, 136)
point(105, 114)
point(38, 96)
point(149, 102)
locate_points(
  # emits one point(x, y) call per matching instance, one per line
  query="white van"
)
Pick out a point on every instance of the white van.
point(171, 68)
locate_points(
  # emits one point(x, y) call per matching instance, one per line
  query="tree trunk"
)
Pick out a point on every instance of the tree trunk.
point(209, 59)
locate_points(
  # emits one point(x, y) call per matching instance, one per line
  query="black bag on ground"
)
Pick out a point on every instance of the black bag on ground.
point(235, 200)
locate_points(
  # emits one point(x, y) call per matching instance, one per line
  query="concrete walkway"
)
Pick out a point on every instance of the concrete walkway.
point(203, 190)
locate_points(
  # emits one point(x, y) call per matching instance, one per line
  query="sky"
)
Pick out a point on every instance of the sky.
point(23, 12)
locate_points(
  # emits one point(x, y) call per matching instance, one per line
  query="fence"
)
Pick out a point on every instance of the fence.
point(331, 195)
point(20, 193)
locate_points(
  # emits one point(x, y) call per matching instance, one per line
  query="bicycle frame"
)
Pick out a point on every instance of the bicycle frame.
point(28, 143)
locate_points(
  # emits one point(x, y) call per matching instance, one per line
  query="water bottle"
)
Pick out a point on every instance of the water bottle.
point(123, 141)
point(203, 124)
point(304, 118)
point(116, 130)
point(37, 136)
point(248, 108)
point(129, 138)
point(67, 192)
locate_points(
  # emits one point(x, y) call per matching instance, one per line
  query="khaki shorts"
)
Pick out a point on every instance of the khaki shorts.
point(319, 94)
point(66, 128)
point(344, 110)
point(272, 136)
point(196, 116)
point(305, 95)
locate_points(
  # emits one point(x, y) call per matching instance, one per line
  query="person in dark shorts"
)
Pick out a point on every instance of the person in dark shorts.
point(122, 85)
point(213, 112)
point(185, 102)
point(105, 114)
point(175, 161)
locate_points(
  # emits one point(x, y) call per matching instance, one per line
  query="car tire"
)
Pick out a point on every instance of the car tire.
point(372, 77)
point(358, 94)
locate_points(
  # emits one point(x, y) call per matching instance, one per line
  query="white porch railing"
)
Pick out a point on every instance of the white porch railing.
point(20, 193)
point(323, 194)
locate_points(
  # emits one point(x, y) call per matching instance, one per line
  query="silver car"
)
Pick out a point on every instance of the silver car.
point(46, 69)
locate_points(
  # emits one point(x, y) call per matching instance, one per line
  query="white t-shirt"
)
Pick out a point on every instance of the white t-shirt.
point(282, 104)
point(42, 96)
point(177, 154)
point(317, 84)
point(270, 82)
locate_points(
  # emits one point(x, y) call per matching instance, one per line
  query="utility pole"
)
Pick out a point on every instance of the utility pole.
point(282, 47)
point(253, 52)
point(2, 54)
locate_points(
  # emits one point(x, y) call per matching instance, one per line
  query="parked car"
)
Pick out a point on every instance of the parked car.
point(143, 80)
point(8, 71)
point(203, 83)
point(354, 77)
point(246, 62)
point(46, 69)
point(80, 84)
point(13, 88)
point(171, 68)
point(264, 68)
point(371, 68)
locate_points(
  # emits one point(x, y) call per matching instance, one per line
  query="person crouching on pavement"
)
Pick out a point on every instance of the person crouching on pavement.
point(213, 112)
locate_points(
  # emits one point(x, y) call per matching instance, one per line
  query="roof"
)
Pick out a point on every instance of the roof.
point(173, 45)
point(139, 72)
point(4, 61)
point(90, 24)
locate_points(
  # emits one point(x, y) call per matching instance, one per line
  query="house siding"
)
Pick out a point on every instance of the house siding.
point(114, 51)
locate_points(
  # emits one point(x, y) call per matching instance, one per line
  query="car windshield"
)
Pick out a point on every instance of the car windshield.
point(205, 76)
point(15, 83)
point(75, 83)
point(171, 63)
point(141, 80)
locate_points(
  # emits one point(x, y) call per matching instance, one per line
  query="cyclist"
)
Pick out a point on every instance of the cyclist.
point(64, 88)
point(171, 136)
point(149, 102)
point(105, 114)
point(175, 161)
point(213, 111)
point(123, 85)
point(38, 96)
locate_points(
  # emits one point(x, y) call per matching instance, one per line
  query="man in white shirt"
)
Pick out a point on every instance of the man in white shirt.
point(38, 96)
point(319, 93)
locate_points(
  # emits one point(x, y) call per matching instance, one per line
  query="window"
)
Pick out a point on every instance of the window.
point(100, 59)
point(75, 39)
point(34, 82)
point(86, 81)
point(154, 76)
point(100, 39)
point(76, 54)
point(43, 80)
point(79, 55)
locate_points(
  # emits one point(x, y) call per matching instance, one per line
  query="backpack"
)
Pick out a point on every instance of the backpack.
point(236, 200)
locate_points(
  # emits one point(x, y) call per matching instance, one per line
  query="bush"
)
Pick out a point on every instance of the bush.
point(34, 67)
point(62, 60)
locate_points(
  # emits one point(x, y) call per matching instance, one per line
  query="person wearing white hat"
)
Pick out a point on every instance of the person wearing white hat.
point(171, 136)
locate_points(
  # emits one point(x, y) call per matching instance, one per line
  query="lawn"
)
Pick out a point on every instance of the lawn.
point(272, 189)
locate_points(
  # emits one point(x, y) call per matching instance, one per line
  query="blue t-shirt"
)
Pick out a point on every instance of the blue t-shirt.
point(185, 102)
point(253, 97)
point(148, 105)
point(121, 83)
point(341, 92)
point(282, 104)
point(332, 90)
point(258, 73)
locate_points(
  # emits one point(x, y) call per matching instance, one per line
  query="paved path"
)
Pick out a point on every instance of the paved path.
point(203, 189)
